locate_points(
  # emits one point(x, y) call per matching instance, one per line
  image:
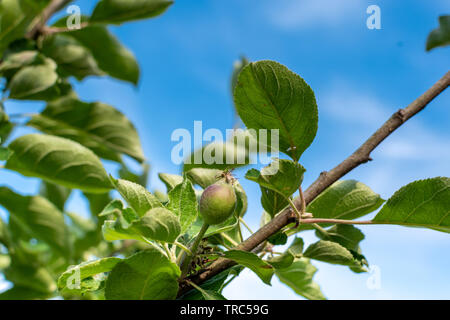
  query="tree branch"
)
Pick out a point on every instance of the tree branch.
point(40, 21)
point(360, 156)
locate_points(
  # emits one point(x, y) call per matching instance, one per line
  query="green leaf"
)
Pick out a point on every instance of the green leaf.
point(97, 126)
point(71, 279)
point(5, 261)
point(147, 275)
point(237, 68)
point(282, 176)
point(5, 153)
point(209, 294)
point(23, 293)
point(111, 56)
point(440, 37)
point(278, 238)
point(299, 277)
point(13, 61)
point(218, 155)
point(97, 202)
point(113, 230)
point(119, 11)
point(57, 194)
point(32, 80)
point(139, 178)
point(5, 236)
point(250, 260)
point(228, 225)
point(294, 251)
point(6, 128)
point(40, 217)
point(422, 203)
point(38, 279)
point(158, 224)
point(183, 202)
point(281, 261)
point(331, 252)
point(272, 201)
point(170, 180)
point(71, 56)
point(204, 177)
point(111, 208)
point(81, 223)
point(30, 266)
point(60, 161)
point(215, 284)
point(344, 199)
point(137, 196)
point(296, 247)
point(270, 96)
point(346, 235)
point(162, 196)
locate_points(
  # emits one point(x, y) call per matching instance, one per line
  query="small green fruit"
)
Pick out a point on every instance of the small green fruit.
point(217, 203)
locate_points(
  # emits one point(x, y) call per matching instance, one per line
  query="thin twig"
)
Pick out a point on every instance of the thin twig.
point(39, 22)
point(334, 221)
point(302, 201)
point(361, 155)
point(52, 30)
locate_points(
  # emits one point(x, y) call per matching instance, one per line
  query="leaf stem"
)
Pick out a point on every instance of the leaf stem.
point(241, 237)
point(245, 224)
point(198, 288)
point(227, 237)
point(168, 252)
point(182, 247)
point(294, 208)
point(187, 261)
point(335, 221)
point(302, 201)
point(154, 245)
point(321, 230)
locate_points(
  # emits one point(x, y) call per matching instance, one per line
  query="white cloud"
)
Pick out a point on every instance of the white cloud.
point(416, 142)
point(414, 151)
point(307, 13)
point(357, 107)
point(347, 104)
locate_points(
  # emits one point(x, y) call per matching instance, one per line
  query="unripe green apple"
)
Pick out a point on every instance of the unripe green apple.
point(217, 203)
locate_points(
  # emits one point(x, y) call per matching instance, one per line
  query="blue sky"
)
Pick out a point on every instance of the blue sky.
point(359, 76)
